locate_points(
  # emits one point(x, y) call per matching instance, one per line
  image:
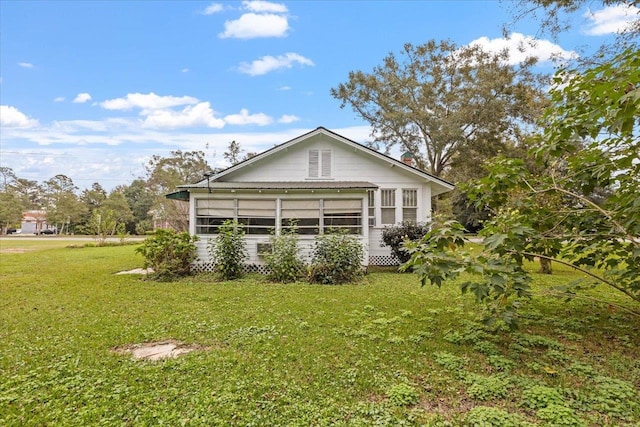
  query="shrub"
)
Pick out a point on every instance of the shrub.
point(394, 236)
point(169, 254)
point(284, 262)
point(228, 250)
point(337, 258)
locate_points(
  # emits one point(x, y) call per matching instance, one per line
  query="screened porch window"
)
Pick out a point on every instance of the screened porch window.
point(342, 215)
point(210, 214)
point(257, 216)
point(302, 214)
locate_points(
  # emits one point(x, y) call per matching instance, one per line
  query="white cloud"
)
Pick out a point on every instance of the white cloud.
point(264, 7)
point(284, 88)
point(81, 98)
point(25, 64)
point(252, 25)
point(12, 117)
point(200, 114)
point(213, 8)
point(184, 70)
point(288, 118)
point(268, 63)
point(521, 47)
point(611, 19)
point(244, 118)
point(59, 99)
point(149, 101)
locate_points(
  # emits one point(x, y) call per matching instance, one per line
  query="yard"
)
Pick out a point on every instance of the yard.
point(382, 352)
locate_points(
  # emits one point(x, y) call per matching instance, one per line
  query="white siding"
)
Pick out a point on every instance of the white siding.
point(346, 163)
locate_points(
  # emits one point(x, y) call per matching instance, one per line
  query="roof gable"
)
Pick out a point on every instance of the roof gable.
point(440, 185)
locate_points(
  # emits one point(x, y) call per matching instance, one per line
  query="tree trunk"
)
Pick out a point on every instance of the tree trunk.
point(545, 266)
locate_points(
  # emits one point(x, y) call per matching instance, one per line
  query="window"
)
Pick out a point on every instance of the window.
point(210, 214)
point(257, 216)
point(372, 208)
point(312, 217)
point(319, 163)
point(409, 205)
point(342, 215)
point(303, 214)
point(388, 206)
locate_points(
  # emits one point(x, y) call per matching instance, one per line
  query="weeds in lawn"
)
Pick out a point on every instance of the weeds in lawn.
point(382, 353)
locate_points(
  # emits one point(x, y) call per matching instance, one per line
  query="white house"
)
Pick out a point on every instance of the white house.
point(319, 180)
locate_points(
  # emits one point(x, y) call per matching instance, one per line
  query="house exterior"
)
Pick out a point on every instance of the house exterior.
point(317, 181)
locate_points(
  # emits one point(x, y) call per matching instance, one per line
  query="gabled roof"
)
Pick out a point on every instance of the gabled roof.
point(444, 185)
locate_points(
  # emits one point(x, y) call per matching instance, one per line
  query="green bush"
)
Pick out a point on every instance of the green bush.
point(337, 258)
point(394, 236)
point(228, 250)
point(284, 262)
point(169, 254)
point(538, 397)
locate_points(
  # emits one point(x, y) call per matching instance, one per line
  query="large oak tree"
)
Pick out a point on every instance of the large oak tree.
point(444, 103)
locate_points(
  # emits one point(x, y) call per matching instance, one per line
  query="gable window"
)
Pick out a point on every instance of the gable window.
point(372, 207)
point(388, 206)
point(319, 163)
point(409, 205)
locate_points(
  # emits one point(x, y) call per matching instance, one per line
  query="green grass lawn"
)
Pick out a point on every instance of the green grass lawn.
point(383, 352)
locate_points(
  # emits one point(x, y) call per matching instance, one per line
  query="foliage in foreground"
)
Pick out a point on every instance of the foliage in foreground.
point(169, 254)
point(228, 250)
point(582, 212)
point(337, 258)
point(283, 261)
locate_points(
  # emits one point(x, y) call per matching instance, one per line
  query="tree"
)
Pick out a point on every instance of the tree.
point(62, 204)
point(140, 201)
point(556, 17)
point(164, 174)
point(597, 235)
point(10, 210)
point(439, 101)
point(233, 153)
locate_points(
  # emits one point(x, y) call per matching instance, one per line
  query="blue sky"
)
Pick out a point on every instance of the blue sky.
point(93, 89)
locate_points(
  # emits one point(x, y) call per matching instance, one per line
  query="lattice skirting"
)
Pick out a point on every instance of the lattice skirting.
point(377, 260)
point(210, 268)
point(384, 260)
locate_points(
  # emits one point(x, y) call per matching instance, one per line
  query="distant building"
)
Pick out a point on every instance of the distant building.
point(33, 222)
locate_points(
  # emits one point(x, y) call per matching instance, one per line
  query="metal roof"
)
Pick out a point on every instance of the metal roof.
point(282, 185)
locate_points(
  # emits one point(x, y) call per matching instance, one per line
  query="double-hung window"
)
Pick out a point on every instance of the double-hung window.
point(372, 207)
point(388, 206)
point(409, 205)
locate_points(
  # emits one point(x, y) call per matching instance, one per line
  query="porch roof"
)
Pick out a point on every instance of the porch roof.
point(282, 185)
